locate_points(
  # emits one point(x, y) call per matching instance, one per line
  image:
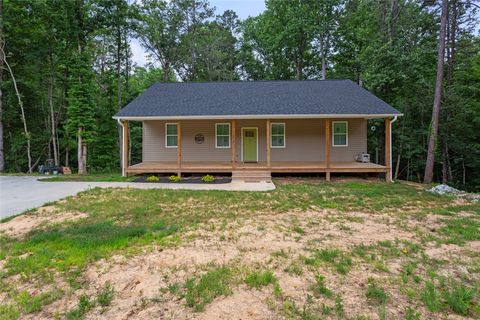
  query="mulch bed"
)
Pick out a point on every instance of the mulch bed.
point(198, 180)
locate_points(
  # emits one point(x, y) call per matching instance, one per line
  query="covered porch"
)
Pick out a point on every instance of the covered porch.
point(328, 166)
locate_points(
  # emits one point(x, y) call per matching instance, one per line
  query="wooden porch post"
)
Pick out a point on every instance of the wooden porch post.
point(125, 149)
point(268, 143)
point(179, 148)
point(234, 143)
point(388, 160)
point(328, 142)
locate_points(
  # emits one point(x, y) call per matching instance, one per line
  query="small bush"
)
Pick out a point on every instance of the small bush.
point(208, 178)
point(260, 279)
point(174, 178)
point(153, 179)
point(375, 292)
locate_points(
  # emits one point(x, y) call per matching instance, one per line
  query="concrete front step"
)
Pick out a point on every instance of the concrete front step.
point(251, 176)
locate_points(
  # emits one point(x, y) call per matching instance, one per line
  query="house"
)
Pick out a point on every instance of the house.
point(256, 126)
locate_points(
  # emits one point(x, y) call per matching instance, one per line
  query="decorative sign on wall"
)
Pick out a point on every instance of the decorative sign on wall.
point(199, 138)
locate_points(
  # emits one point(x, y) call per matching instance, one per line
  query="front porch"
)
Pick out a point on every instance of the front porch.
point(274, 167)
point(308, 140)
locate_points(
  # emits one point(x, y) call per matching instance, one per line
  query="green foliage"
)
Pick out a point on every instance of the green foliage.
point(174, 178)
point(105, 296)
point(212, 284)
point(375, 292)
point(319, 287)
point(260, 279)
point(340, 260)
point(152, 179)
point(208, 178)
point(431, 297)
point(460, 298)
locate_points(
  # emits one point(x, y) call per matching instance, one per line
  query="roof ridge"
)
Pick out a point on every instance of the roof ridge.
point(252, 81)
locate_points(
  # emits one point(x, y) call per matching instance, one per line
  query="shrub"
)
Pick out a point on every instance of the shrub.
point(208, 178)
point(174, 178)
point(152, 179)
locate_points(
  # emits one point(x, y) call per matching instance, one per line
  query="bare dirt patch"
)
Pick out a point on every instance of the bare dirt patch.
point(21, 225)
point(143, 283)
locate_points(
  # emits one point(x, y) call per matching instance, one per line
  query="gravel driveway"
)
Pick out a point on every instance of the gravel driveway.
point(20, 193)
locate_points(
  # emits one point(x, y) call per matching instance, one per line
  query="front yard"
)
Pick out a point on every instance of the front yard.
point(308, 250)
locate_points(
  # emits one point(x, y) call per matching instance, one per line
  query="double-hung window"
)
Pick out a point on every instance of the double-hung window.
point(340, 133)
point(277, 139)
point(222, 135)
point(171, 135)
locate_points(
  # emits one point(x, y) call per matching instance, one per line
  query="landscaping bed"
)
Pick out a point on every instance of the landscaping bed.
point(191, 179)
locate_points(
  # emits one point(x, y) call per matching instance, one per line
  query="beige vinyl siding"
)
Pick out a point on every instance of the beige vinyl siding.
point(304, 138)
point(357, 141)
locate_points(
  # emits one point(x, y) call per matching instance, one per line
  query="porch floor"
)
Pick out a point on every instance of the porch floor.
point(275, 167)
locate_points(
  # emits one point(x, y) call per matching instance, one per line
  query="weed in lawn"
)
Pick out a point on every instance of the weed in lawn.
point(83, 306)
point(280, 253)
point(319, 287)
point(200, 292)
point(9, 312)
point(375, 292)
point(260, 279)
point(412, 314)
point(339, 259)
point(294, 268)
point(460, 298)
point(431, 296)
point(105, 295)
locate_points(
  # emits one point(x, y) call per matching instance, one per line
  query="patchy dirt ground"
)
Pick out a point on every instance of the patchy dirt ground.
point(324, 264)
point(270, 242)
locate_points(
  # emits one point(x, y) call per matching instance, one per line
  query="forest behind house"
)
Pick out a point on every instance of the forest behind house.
point(66, 68)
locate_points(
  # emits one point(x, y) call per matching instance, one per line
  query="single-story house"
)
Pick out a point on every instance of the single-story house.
point(256, 126)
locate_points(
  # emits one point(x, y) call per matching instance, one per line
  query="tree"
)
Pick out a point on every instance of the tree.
point(157, 27)
point(428, 176)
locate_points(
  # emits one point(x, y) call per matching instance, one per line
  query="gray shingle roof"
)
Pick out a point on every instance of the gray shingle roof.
point(256, 98)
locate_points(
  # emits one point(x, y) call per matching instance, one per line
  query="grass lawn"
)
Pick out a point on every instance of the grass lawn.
point(93, 177)
point(308, 250)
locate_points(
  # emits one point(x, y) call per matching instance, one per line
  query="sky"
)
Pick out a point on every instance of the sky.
point(243, 8)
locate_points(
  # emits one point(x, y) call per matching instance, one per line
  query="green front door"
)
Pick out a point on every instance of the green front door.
point(249, 145)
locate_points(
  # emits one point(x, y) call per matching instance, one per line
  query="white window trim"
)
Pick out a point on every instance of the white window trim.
point(166, 135)
point(284, 136)
point(333, 134)
point(229, 135)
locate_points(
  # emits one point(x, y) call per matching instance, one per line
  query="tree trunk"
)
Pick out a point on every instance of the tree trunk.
point(2, 154)
point(428, 177)
point(52, 120)
point(81, 153)
point(20, 103)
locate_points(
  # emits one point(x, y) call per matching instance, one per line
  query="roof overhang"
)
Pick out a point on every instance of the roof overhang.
point(259, 116)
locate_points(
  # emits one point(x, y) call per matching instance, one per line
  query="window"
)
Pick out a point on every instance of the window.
point(222, 135)
point(278, 135)
point(171, 135)
point(340, 133)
